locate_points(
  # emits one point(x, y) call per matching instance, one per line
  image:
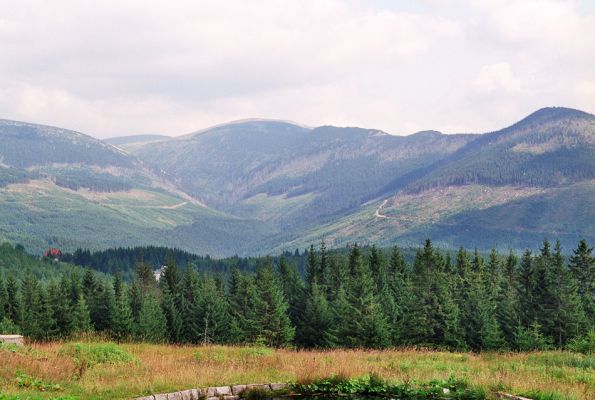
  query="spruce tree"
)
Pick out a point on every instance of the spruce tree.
point(190, 296)
point(102, 307)
point(32, 308)
point(136, 300)
point(370, 322)
point(271, 308)
point(582, 268)
point(400, 287)
point(312, 268)
point(526, 290)
point(123, 322)
point(13, 308)
point(59, 299)
point(242, 294)
point(293, 290)
point(81, 316)
point(212, 313)
point(343, 332)
point(568, 318)
point(507, 302)
point(171, 314)
point(3, 299)
point(152, 325)
point(317, 321)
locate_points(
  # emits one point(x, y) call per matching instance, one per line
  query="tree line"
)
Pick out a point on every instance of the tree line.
point(366, 298)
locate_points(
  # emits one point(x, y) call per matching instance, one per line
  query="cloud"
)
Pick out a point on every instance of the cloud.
point(122, 67)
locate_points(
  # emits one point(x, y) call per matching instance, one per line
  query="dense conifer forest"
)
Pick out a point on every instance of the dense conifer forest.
point(361, 298)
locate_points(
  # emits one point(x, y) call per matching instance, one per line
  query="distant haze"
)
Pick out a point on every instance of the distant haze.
point(115, 68)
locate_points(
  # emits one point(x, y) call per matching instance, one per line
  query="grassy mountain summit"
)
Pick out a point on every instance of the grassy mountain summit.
point(257, 185)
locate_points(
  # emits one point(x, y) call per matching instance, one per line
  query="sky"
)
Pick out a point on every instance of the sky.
point(113, 68)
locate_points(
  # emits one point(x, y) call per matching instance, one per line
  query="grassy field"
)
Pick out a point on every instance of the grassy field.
point(108, 371)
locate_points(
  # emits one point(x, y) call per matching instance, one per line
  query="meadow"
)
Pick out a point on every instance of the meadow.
point(104, 370)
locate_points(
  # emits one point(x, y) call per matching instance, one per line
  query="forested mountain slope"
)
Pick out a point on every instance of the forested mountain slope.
point(291, 175)
point(255, 186)
point(65, 189)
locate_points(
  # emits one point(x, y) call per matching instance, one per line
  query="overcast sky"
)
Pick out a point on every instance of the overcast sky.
point(112, 68)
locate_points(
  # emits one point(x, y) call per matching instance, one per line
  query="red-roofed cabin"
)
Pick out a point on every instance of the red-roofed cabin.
point(53, 253)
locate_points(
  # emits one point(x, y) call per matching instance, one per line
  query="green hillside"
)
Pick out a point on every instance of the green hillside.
point(252, 187)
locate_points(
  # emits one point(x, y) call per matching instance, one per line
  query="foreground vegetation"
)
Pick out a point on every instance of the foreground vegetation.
point(102, 370)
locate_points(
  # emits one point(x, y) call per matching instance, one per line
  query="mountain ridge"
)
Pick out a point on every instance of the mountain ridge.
point(260, 185)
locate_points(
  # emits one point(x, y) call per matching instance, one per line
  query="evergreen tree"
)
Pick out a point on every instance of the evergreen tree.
point(81, 316)
point(213, 313)
point(47, 323)
point(32, 308)
point(506, 300)
point(317, 321)
point(544, 291)
point(582, 268)
point(271, 308)
point(13, 308)
point(568, 318)
point(190, 329)
point(136, 300)
point(323, 270)
point(59, 300)
point(117, 284)
point(152, 325)
point(102, 307)
point(293, 290)
point(3, 299)
point(172, 315)
point(343, 332)
point(312, 268)
point(370, 323)
point(526, 290)
point(123, 322)
point(400, 287)
point(244, 324)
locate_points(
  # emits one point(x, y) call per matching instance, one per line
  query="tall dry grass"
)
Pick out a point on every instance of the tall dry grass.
point(165, 368)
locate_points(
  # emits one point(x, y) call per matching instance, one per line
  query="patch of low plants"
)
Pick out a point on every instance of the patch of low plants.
point(583, 344)
point(374, 385)
point(30, 382)
point(87, 355)
point(563, 359)
point(10, 348)
point(29, 397)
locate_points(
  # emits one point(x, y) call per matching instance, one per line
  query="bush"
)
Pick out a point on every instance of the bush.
point(531, 339)
point(7, 327)
point(86, 355)
point(583, 344)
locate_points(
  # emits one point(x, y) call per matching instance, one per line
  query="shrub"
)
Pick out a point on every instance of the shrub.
point(30, 382)
point(7, 327)
point(86, 355)
point(583, 344)
point(531, 339)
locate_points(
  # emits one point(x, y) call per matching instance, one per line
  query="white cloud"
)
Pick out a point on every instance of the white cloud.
point(121, 67)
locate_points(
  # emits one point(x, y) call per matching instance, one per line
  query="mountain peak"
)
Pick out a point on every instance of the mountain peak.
point(429, 134)
point(248, 123)
point(553, 113)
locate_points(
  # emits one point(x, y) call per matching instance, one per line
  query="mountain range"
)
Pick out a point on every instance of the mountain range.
point(259, 186)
